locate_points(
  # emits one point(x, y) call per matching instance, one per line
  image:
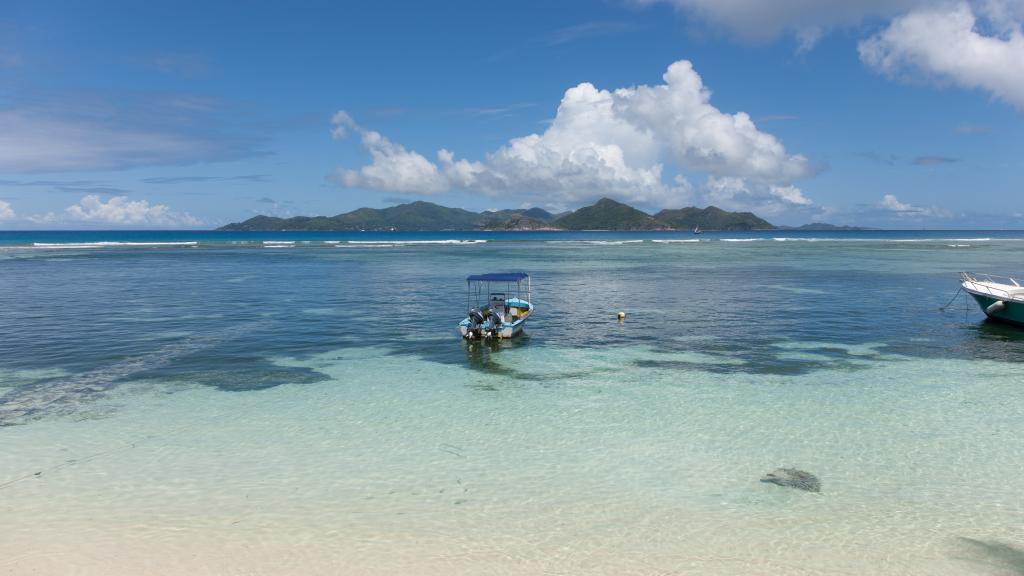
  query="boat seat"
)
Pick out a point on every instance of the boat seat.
point(496, 304)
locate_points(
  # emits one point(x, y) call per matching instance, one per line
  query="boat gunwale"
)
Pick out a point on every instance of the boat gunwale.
point(989, 287)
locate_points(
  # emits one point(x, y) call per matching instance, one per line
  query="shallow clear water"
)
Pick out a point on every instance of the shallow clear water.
point(236, 405)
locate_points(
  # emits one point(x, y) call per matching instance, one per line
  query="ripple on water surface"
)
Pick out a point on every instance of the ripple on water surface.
point(392, 464)
point(228, 408)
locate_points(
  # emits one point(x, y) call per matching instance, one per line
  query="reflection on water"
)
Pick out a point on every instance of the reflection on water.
point(479, 353)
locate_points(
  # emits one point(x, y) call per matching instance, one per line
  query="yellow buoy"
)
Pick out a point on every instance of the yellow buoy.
point(622, 315)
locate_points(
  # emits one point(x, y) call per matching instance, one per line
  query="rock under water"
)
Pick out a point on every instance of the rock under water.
point(793, 478)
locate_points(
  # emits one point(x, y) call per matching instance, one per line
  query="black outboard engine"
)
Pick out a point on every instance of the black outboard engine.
point(495, 322)
point(476, 317)
point(476, 323)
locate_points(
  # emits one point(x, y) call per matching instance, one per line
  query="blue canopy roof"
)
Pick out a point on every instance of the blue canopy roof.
point(498, 277)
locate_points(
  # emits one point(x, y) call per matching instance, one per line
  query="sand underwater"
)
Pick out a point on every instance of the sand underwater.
point(222, 407)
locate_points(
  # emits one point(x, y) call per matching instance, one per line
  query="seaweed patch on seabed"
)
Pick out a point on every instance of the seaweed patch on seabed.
point(66, 396)
point(992, 554)
point(233, 372)
point(484, 357)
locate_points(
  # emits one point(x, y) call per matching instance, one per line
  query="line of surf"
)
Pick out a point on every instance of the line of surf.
point(417, 242)
point(594, 242)
point(59, 245)
point(400, 243)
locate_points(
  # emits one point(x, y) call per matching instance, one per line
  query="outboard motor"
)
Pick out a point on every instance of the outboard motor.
point(476, 323)
point(495, 321)
point(476, 317)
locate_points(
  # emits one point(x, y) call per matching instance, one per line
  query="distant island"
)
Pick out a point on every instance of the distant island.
point(822, 227)
point(605, 214)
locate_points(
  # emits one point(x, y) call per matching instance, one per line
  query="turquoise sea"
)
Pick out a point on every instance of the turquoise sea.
point(300, 403)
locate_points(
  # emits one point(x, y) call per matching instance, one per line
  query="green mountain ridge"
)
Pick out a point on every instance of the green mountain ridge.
point(521, 223)
point(607, 214)
point(822, 227)
point(539, 214)
point(417, 216)
point(421, 216)
point(712, 218)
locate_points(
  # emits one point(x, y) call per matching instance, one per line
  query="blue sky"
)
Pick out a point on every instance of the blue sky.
point(899, 114)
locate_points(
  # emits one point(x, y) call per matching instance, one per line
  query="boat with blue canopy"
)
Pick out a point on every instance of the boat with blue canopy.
point(499, 305)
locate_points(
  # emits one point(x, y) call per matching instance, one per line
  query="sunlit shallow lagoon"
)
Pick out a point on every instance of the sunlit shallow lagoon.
point(241, 405)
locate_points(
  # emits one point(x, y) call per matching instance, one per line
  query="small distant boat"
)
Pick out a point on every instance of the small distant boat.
point(1000, 297)
point(697, 230)
point(498, 305)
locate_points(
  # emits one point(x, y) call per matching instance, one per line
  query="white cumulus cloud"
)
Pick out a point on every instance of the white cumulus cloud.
point(394, 168)
point(732, 193)
point(600, 143)
point(6, 212)
point(121, 211)
point(948, 43)
point(890, 203)
point(790, 194)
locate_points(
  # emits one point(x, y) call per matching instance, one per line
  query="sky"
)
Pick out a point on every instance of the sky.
point(885, 113)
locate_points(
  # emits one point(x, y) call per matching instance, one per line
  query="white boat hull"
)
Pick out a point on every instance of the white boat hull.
point(1000, 298)
point(505, 330)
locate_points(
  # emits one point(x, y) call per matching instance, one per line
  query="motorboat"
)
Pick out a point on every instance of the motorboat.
point(499, 305)
point(1000, 297)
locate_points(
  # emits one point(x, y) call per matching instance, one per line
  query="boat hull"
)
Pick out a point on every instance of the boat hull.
point(506, 330)
point(1012, 312)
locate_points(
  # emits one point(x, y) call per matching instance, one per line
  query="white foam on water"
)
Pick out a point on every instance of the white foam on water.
point(741, 239)
point(60, 245)
point(367, 245)
point(66, 246)
point(381, 243)
point(414, 242)
point(943, 239)
point(793, 289)
point(687, 241)
point(594, 242)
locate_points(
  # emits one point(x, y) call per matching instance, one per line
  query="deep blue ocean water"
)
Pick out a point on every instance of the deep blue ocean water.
point(153, 378)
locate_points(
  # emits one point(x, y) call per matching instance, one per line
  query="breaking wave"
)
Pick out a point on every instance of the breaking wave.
point(59, 245)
